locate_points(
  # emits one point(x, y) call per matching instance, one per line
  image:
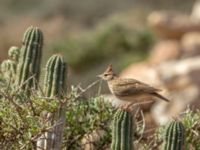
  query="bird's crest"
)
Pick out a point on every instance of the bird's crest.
point(109, 69)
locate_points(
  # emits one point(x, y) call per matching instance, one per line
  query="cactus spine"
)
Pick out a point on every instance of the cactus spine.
point(55, 77)
point(175, 136)
point(122, 131)
point(28, 68)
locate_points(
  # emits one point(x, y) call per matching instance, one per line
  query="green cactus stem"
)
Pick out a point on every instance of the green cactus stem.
point(122, 131)
point(8, 69)
point(55, 77)
point(28, 68)
point(175, 136)
point(13, 53)
point(55, 87)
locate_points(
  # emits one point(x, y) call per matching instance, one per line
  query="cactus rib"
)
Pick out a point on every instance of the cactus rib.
point(122, 131)
point(174, 138)
point(55, 77)
point(28, 69)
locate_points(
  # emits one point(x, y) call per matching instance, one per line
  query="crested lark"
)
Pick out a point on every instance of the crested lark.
point(129, 90)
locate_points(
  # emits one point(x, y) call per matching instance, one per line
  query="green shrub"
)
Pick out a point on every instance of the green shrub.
point(23, 123)
point(113, 42)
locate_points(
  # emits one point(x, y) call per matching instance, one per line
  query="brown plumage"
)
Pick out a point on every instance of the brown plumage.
point(129, 89)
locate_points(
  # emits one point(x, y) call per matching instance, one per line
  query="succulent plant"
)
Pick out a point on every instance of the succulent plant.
point(55, 77)
point(55, 87)
point(175, 136)
point(122, 131)
point(28, 68)
point(8, 69)
point(13, 53)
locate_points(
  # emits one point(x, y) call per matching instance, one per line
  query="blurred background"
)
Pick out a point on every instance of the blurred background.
point(155, 41)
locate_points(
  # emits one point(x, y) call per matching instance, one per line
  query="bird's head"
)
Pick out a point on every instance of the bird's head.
point(108, 74)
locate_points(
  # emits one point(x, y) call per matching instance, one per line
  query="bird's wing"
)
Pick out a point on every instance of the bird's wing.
point(125, 87)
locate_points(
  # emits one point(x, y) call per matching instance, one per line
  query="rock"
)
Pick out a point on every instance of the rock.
point(181, 78)
point(180, 100)
point(90, 140)
point(142, 71)
point(164, 51)
point(196, 11)
point(187, 69)
point(172, 24)
point(191, 44)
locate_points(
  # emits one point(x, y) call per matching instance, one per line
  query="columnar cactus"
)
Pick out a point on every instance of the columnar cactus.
point(55, 77)
point(175, 136)
point(54, 87)
point(122, 131)
point(28, 68)
point(8, 68)
point(13, 53)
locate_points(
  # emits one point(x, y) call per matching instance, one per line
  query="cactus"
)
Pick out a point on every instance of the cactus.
point(13, 53)
point(122, 131)
point(8, 68)
point(55, 77)
point(28, 68)
point(175, 136)
point(54, 87)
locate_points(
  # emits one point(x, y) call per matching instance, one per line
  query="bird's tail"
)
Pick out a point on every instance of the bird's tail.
point(161, 97)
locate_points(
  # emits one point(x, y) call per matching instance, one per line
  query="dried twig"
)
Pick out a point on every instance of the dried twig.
point(87, 88)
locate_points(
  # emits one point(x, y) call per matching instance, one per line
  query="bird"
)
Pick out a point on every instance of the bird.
point(129, 89)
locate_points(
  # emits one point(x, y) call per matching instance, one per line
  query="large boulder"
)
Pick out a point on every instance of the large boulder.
point(165, 50)
point(180, 101)
point(186, 69)
point(181, 78)
point(196, 11)
point(142, 71)
point(190, 44)
point(172, 24)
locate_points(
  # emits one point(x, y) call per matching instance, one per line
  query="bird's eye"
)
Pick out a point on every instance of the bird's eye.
point(105, 75)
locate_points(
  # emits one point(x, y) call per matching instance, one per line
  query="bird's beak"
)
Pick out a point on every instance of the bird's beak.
point(100, 76)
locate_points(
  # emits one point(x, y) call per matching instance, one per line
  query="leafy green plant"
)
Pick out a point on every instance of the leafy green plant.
point(83, 117)
point(191, 121)
point(23, 123)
